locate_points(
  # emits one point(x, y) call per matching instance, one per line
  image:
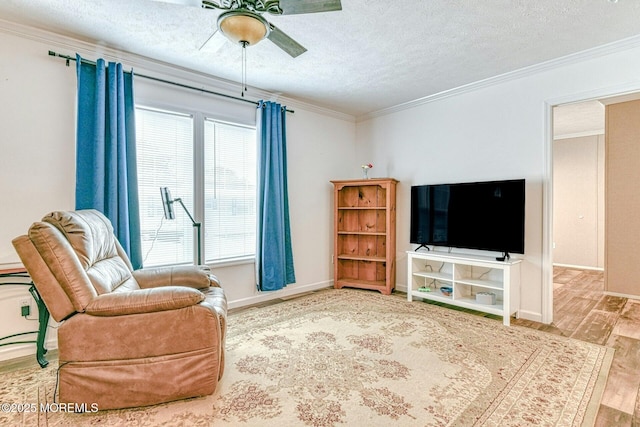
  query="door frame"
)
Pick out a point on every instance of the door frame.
point(547, 183)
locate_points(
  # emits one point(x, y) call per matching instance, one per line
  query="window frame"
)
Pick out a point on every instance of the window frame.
point(233, 260)
point(199, 116)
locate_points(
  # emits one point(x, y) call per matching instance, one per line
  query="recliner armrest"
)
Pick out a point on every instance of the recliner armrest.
point(144, 301)
point(192, 276)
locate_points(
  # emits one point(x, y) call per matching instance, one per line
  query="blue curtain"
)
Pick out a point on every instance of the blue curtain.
point(274, 258)
point(106, 174)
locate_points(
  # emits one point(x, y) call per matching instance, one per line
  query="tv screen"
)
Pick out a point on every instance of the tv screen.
point(475, 215)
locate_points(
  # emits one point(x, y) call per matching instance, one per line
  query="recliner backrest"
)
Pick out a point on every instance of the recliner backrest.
point(77, 253)
point(54, 296)
point(91, 236)
point(62, 262)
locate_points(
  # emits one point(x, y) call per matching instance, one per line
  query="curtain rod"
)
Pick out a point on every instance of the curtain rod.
point(71, 58)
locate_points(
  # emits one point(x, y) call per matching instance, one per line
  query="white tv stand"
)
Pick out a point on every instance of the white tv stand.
point(467, 275)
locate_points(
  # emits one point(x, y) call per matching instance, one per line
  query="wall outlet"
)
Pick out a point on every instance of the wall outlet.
point(25, 308)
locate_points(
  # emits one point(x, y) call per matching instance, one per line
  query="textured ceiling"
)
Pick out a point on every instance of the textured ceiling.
point(370, 56)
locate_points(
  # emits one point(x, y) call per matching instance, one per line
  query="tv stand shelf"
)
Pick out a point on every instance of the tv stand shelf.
point(467, 275)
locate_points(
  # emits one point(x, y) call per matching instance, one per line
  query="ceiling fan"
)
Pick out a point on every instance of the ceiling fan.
point(242, 21)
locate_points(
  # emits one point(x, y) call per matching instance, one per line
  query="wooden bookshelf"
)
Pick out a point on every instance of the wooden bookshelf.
point(365, 234)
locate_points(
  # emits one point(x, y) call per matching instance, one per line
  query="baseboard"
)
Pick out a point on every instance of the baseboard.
point(15, 351)
point(530, 315)
point(283, 293)
point(578, 267)
point(401, 287)
point(616, 294)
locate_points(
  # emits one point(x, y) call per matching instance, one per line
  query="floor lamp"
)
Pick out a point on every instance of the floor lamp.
point(167, 204)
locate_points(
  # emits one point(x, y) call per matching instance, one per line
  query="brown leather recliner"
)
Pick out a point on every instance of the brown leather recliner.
point(126, 338)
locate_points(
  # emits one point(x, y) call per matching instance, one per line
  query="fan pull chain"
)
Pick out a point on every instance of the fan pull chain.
point(244, 68)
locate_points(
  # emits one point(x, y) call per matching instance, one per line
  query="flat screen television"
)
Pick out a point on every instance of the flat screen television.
point(475, 215)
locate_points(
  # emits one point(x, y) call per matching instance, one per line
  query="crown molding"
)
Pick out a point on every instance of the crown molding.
point(155, 68)
point(164, 70)
point(599, 51)
point(298, 104)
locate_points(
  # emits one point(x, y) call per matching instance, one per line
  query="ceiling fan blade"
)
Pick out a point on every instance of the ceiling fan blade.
point(295, 7)
point(182, 2)
point(284, 42)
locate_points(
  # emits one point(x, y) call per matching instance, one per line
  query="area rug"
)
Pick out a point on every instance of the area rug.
point(357, 358)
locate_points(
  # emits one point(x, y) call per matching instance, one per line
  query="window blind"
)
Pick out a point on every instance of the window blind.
point(165, 158)
point(229, 190)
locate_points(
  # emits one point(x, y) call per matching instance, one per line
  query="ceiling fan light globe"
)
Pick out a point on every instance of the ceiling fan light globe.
point(243, 27)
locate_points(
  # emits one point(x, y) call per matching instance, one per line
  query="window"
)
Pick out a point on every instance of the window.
point(222, 164)
point(229, 190)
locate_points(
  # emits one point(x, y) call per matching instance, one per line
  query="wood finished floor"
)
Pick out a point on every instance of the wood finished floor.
point(582, 311)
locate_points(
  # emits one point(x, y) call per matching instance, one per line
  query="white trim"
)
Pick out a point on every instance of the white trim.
point(580, 134)
point(283, 293)
point(12, 351)
point(11, 265)
point(210, 81)
point(616, 294)
point(530, 315)
point(155, 68)
point(11, 291)
point(546, 309)
point(402, 287)
point(597, 94)
point(607, 49)
point(295, 104)
point(547, 180)
point(222, 263)
point(618, 99)
point(578, 267)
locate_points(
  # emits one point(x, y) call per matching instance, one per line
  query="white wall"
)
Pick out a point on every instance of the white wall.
point(37, 154)
point(37, 116)
point(37, 157)
point(496, 129)
point(578, 201)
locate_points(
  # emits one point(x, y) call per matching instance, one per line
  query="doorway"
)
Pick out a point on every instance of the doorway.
point(578, 213)
point(554, 122)
point(578, 185)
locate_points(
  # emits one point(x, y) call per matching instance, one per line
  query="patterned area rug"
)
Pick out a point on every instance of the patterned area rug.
point(358, 358)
